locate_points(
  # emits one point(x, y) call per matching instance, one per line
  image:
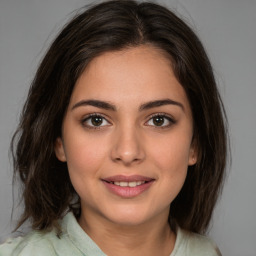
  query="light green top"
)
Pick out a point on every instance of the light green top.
point(74, 241)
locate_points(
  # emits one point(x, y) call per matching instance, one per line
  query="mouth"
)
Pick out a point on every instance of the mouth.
point(128, 186)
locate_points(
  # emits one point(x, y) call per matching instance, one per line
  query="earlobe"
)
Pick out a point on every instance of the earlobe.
point(59, 150)
point(192, 159)
point(193, 154)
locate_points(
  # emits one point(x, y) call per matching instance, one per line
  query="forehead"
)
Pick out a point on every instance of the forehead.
point(135, 61)
point(142, 73)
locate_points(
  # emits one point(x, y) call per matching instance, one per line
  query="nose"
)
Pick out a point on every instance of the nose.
point(127, 146)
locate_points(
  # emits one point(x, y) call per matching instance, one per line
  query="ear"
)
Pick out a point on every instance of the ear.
point(59, 150)
point(193, 153)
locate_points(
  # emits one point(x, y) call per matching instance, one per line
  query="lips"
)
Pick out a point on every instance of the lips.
point(123, 178)
point(128, 186)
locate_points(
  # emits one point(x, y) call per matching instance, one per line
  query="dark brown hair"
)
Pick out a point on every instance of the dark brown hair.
point(111, 26)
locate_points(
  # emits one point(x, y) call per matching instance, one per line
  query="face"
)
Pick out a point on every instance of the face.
point(127, 137)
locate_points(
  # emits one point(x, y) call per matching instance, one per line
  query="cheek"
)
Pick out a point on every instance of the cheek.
point(85, 159)
point(172, 153)
point(171, 160)
point(85, 155)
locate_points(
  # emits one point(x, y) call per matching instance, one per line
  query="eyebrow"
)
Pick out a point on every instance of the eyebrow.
point(108, 106)
point(95, 103)
point(158, 103)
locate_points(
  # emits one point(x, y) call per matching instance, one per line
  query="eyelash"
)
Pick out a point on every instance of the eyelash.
point(89, 117)
point(170, 119)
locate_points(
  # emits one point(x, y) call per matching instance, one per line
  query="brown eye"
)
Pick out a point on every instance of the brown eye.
point(158, 120)
point(95, 121)
point(161, 121)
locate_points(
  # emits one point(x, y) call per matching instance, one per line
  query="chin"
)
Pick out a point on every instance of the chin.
point(129, 216)
point(128, 222)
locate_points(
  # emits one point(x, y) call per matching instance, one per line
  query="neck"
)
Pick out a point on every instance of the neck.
point(153, 237)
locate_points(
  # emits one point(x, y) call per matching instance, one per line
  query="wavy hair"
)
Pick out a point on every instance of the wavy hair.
point(47, 191)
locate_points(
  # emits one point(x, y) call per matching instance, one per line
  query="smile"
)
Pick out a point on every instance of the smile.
point(128, 186)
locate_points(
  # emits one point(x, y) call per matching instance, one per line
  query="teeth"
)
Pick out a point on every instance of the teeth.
point(123, 184)
point(130, 184)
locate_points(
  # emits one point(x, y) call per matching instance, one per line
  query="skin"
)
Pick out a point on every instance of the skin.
point(128, 142)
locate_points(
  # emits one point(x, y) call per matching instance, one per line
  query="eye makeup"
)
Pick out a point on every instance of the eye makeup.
point(160, 120)
point(94, 121)
point(99, 121)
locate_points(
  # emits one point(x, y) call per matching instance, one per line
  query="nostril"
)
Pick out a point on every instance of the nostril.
point(127, 152)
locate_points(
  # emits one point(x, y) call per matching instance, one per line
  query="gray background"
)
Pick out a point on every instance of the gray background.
point(228, 31)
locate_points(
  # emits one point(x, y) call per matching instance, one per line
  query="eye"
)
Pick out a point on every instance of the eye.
point(160, 120)
point(95, 121)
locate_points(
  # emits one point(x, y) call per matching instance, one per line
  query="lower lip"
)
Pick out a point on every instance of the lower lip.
point(128, 192)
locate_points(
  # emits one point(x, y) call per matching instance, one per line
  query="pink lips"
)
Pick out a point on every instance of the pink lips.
point(128, 186)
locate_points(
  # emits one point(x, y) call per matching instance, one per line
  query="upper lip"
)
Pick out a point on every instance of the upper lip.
point(127, 178)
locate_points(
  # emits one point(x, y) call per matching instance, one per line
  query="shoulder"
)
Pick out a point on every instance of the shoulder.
point(72, 241)
point(192, 244)
point(35, 243)
point(48, 243)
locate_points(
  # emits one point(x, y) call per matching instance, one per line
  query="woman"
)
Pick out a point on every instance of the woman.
point(121, 146)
